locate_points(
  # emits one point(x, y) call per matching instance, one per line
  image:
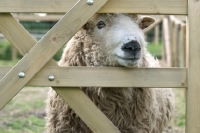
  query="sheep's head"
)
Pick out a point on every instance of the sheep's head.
point(121, 35)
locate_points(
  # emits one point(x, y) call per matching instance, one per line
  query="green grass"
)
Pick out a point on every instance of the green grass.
point(180, 107)
point(25, 112)
point(31, 124)
point(26, 106)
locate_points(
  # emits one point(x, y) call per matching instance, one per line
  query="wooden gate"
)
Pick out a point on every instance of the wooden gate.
point(36, 66)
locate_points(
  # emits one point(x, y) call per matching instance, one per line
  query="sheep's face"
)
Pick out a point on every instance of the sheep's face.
point(121, 37)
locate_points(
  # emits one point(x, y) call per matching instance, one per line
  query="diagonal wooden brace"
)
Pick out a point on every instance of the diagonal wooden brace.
point(43, 51)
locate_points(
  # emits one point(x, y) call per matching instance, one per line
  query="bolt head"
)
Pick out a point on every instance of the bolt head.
point(90, 2)
point(21, 75)
point(51, 78)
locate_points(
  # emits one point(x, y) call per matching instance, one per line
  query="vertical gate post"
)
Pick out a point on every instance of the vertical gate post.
point(193, 90)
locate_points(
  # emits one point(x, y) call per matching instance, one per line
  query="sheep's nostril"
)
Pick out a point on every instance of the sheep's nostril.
point(137, 49)
point(132, 46)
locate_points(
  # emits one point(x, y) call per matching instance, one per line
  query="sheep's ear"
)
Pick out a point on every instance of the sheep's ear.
point(146, 22)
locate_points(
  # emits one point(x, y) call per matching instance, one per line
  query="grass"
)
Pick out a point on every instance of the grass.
point(31, 124)
point(25, 112)
point(180, 107)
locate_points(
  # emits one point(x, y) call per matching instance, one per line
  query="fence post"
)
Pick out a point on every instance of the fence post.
point(181, 45)
point(156, 34)
point(166, 42)
point(173, 41)
point(193, 90)
point(183, 30)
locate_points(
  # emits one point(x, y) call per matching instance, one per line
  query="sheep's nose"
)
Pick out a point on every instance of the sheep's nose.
point(132, 46)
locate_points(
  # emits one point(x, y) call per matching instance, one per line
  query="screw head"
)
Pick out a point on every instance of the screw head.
point(51, 78)
point(90, 2)
point(21, 75)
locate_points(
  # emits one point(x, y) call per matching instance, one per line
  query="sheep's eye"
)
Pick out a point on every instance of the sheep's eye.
point(101, 24)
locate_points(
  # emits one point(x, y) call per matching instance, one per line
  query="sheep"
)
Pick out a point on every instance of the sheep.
point(115, 40)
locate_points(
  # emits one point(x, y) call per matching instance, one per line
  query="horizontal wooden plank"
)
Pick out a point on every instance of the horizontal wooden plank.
point(125, 6)
point(108, 77)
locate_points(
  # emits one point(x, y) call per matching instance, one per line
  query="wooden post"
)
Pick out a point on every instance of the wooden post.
point(171, 37)
point(193, 90)
point(179, 48)
point(181, 45)
point(156, 35)
point(166, 42)
point(183, 30)
point(175, 45)
point(172, 40)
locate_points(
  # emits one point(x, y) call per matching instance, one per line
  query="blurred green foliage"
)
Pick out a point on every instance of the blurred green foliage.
point(155, 50)
point(6, 52)
point(37, 27)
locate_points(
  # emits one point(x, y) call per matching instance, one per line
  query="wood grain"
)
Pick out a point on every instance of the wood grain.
point(125, 6)
point(108, 77)
point(193, 90)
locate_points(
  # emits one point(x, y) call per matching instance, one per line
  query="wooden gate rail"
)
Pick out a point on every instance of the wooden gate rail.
point(123, 6)
point(106, 77)
point(39, 55)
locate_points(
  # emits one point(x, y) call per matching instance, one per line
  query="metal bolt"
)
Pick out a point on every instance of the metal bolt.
point(21, 75)
point(90, 2)
point(51, 78)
